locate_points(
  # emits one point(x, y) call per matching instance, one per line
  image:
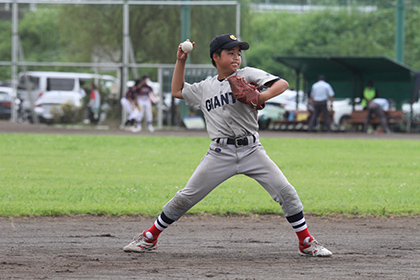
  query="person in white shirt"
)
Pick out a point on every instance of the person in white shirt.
point(321, 92)
point(377, 107)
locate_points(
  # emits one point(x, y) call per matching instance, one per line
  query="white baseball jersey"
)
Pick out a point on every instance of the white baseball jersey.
point(225, 116)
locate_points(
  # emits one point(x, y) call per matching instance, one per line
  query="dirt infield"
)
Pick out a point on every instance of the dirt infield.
point(206, 247)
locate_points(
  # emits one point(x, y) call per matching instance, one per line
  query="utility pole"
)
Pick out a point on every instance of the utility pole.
point(185, 34)
point(399, 31)
point(185, 21)
point(14, 113)
point(125, 55)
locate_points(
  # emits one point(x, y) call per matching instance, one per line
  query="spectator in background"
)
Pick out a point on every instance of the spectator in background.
point(94, 103)
point(377, 107)
point(145, 94)
point(369, 93)
point(129, 103)
point(81, 89)
point(321, 92)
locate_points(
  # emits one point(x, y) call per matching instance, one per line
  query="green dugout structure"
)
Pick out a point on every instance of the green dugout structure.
point(349, 75)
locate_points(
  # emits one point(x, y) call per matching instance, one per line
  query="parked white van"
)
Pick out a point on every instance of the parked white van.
point(39, 82)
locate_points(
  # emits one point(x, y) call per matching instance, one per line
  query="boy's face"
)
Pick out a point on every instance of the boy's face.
point(229, 60)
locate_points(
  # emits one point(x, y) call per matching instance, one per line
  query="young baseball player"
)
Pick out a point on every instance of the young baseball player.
point(145, 92)
point(235, 147)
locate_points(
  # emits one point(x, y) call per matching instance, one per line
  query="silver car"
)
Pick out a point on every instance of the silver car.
point(5, 102)
point(53, 106)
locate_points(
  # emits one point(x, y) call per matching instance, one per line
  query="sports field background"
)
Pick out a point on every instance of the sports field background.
point(43, 174)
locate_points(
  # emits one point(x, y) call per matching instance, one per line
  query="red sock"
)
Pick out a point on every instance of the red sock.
point(161, 223)
point(303, 234)
point(154, 231)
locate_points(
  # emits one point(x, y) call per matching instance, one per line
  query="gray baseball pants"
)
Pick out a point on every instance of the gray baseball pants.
point(223, 161)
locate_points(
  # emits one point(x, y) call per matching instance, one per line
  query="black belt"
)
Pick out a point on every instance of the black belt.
point(238, 142)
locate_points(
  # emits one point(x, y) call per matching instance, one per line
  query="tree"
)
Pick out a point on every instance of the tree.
point(40, 36)
point(79, 33)
point(154, 31)
point(5, 48)
point(346, 32)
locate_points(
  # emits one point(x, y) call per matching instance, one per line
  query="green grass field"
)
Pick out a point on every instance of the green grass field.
point(125, 175)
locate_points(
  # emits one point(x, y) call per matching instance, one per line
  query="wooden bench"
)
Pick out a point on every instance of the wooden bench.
point(357, 118)
point(299, 121)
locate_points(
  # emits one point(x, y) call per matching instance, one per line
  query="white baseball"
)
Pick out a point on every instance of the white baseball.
point(187, 46)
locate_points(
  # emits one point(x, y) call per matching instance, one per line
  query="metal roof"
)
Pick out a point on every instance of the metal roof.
point(348, 75)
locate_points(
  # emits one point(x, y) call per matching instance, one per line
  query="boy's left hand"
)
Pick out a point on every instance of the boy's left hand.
point(245, 92)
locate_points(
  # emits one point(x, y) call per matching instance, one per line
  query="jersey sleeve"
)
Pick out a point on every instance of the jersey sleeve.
point(192, 94)
point(258, 76)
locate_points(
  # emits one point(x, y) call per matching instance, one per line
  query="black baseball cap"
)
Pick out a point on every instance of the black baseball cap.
point(226, 41)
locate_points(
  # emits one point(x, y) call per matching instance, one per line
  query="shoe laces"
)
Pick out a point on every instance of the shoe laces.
point(313, 246)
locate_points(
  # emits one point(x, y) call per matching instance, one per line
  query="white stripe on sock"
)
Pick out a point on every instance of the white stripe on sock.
point(162, 222)
point(301, 228)
point(158, 226)
point(301, 221)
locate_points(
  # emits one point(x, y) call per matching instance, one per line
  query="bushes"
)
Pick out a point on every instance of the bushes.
point(67, 113)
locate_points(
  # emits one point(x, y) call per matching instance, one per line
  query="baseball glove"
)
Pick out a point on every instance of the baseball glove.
point(245, 92)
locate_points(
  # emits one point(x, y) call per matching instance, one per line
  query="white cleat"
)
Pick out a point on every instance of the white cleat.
point(141, 244)
point(312, 248)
